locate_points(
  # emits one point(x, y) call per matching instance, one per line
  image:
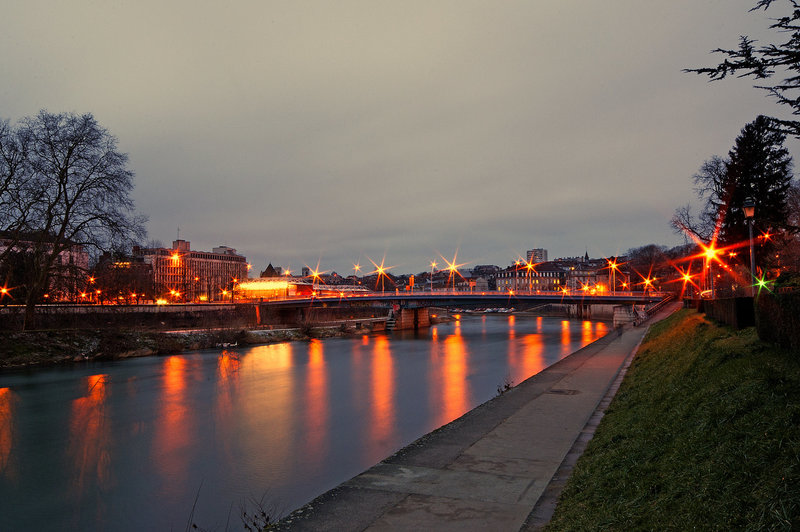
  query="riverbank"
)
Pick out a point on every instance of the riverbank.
point(20, 350)
point(487, 469)
point(703, 434)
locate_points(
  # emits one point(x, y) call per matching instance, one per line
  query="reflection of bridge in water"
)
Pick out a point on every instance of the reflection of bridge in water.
point(410, 310)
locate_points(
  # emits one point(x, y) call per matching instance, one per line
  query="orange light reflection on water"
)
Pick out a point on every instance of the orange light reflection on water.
point(224, 406)
point(450, 376)
point(383, 396)
point(89, 436)
point(318, 410)
point(268, 417)
point(587, 335)
point(532, 357)
point(7, 401)
point(565, 338)
point(172, 434)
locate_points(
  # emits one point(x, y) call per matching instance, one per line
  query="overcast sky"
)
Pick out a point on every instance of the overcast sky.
point(299, 132)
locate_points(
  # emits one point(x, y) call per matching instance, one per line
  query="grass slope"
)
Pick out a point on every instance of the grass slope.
point(703, 434)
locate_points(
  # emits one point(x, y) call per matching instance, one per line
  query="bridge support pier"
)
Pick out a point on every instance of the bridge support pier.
point(624, 314)
point(412, 318)
point(581, 311)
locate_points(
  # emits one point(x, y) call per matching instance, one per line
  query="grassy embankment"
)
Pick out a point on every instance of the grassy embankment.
point(703, 434)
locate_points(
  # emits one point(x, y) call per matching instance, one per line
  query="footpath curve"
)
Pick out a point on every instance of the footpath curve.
point(500, 466)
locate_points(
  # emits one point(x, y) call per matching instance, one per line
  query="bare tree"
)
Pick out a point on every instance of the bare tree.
point(707, 186)
point(17, 193)
point(80, 186)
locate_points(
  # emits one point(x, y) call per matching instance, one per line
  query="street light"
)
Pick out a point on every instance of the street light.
point(380, 271)
point(710, 254)
point(749, 208)
point(529, 266)
point(433, 265)
point(613, 266)
point(453, 271)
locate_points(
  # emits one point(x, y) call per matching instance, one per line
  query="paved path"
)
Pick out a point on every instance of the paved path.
point(498, 467)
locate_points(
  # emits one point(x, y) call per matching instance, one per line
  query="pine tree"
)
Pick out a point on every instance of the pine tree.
point(758, 167)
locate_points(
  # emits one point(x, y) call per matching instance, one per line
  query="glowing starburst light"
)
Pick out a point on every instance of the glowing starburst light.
point(762, 282)
point(381, 270)
point(453, 267)
point(315, 274)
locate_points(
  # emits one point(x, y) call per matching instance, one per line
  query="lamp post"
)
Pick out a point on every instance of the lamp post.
point(613, 267)
point(709, 254)
point(529, 267)
point(749, 208)
point(433, 265)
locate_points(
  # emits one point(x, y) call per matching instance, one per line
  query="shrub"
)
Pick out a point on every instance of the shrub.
point(778, 319)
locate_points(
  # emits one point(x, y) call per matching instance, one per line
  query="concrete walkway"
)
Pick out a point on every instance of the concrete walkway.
point(498, 467)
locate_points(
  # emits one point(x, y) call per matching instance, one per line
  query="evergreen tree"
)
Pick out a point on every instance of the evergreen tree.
point(758, 167)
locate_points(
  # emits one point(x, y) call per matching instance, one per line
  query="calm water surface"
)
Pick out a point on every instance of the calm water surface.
point(129, 445)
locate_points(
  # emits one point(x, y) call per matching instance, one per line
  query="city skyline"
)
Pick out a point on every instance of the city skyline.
point(305, 134)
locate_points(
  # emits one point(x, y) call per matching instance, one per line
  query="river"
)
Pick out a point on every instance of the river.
point(137, 444)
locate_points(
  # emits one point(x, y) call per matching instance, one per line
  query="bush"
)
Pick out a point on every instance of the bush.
point(778, 319)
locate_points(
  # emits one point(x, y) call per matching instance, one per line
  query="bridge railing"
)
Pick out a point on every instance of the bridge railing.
point(330, 294)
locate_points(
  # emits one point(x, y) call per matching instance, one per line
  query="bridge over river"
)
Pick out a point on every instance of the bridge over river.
point(410, 310)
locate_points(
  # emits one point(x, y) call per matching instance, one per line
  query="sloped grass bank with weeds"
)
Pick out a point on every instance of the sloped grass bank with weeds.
point(703, 434)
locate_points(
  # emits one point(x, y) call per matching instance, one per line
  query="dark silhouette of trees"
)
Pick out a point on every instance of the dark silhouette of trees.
point(762, 62)
point(758, 167)
point(18, 193)
point(787, 254)
point(65, 185)
point(123, 278)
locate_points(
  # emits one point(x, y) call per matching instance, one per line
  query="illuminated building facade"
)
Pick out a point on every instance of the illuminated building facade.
point(573, 274)
point(545, 277)
point(180, 274)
